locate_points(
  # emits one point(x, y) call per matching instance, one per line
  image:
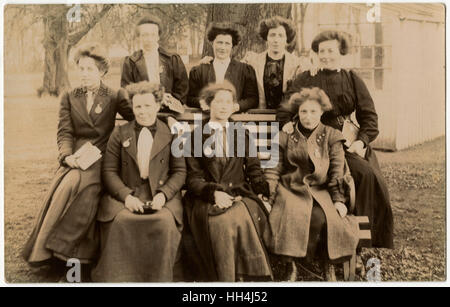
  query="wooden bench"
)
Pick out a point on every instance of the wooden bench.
point(365, 240)
point(259, 116)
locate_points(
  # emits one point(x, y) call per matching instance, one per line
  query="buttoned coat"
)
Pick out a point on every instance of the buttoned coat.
point(75, 128)
point(120, 171)
point(239, 176)
point(241, 75)
point(296, 188)
point(172, 74)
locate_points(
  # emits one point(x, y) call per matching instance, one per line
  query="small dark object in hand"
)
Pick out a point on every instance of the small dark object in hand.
point(148, 209)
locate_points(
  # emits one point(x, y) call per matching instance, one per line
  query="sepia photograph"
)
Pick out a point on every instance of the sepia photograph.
point(234, 143)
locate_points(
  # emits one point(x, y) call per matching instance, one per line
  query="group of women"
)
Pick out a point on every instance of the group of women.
point(124, 217)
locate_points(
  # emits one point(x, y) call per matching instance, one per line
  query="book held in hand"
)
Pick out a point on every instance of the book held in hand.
point(87, 155)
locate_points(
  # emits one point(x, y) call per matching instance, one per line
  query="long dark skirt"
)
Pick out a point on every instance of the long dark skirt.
point(138, 248)
point(237, 248)
point(229, 245)
point(372, 197)
point(65, 227)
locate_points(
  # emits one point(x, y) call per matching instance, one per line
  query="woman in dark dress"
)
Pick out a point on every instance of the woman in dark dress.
point(349, 94)
point(223, 204)
point(65, 225)
point(275, 66)
point(224, 37)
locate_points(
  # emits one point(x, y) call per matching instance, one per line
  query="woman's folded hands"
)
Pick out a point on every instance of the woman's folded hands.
point(223, 200)
point(134, 204)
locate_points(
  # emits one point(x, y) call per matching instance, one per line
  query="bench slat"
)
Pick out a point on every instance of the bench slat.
point(365, 238)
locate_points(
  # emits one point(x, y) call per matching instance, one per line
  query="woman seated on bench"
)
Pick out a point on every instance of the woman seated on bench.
point(226, 217)
point(308, 212)
point(141, 218)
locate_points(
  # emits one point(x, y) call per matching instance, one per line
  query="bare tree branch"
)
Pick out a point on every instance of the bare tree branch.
point(74, 38)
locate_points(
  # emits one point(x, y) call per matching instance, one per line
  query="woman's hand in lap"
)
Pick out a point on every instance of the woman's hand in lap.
point(223, 200)
point(159, 201)
point(357, 147)
point(71, 161)
point(134, 204)
point(341, 209)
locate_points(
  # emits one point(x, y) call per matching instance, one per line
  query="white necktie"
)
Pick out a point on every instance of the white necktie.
point(144, 148)
point(89, 101)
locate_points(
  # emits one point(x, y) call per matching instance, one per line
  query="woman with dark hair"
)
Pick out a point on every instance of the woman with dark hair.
point(275, 66)
point(87, 114)
point(306, 188)
point(141, 176)
point(223, 37)
point(224, 203)
point(349, 94)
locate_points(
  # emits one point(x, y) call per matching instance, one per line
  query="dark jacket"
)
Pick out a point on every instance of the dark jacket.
point(76, 126)
point(173, 75)
point(241, 75)
point(120, 171)
point(241, 176)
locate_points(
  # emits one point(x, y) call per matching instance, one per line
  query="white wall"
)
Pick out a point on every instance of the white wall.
point(418, 62)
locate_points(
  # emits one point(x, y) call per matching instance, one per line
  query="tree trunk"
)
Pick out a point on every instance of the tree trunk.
point(303, 8)
point(56, 47)
point(247, 18)
point(58, 40)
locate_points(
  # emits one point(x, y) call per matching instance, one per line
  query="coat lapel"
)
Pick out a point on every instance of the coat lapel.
point(315, 149)
point(142, 66)
point(260, 64)
point(102, 99)
point(211, 74)
point(230, 71)
point(212, 164)
point(161, 139)
point(129, 141)
point(79, 105)
point(165, 66)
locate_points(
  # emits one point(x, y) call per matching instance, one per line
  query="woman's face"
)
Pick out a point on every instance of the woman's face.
point(222, 46)
point(222, 106)
point(90, 75)
point(277, 39)
point(148, 36)
point(145, 109)
point(329, 55)
point(309, 113)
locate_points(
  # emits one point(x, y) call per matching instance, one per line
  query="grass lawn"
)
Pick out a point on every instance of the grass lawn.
point(416, 179)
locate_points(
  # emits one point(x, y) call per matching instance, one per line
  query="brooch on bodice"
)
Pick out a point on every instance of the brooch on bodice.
point(126, 143)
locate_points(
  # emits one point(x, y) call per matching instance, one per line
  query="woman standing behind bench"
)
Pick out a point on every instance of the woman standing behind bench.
point(65, 225)
point(224, 37)
point(275, 66)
